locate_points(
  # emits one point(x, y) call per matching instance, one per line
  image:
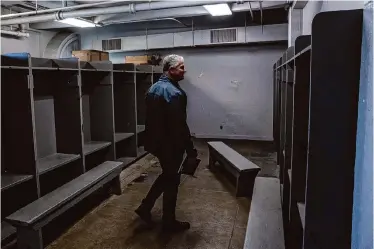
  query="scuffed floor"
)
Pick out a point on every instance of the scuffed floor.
point(218, 219)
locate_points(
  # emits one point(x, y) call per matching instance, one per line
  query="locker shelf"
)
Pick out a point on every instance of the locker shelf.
point(129, 160)
point(15, 67)
point(140, 128)
point(7, 231)
point(301, 207)
point(54, 161)
point(126, 160)
point(88, 69)
point(305, 50)
point(141, 151)
point(11, 180)
point(93, 146)
point(122, 136)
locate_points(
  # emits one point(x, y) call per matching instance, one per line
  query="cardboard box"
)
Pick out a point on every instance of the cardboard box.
point(91, 55)
point(140, 59)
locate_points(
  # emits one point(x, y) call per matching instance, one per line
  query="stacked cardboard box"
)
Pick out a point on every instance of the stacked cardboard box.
point(140, 59)
point(91, 55)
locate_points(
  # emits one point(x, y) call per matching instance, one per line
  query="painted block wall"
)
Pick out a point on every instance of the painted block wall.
point(230, 90)
point(35, 44)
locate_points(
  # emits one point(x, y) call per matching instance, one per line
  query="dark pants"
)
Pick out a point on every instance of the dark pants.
point(166, 183)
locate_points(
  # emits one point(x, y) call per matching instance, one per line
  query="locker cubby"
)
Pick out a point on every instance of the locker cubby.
point(97, 112)
point(157, 72)
point(144, 80)
point(19, 185)
point(316, 88)
point(61, 118)
point(18, 152)
point(56, 114)
point(125, 112)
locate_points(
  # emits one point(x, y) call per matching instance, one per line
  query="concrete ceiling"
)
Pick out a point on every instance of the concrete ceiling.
point(275, 14)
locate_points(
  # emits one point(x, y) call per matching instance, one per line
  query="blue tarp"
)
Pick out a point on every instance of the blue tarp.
point(19, 56)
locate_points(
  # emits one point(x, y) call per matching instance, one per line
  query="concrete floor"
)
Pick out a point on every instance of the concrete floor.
point(218, 219)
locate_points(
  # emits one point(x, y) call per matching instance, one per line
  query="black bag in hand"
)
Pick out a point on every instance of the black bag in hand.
point(189, 166)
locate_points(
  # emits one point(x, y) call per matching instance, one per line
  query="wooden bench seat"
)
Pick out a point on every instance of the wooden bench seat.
point(30, 219)
point(265, 223)
point(243, 170)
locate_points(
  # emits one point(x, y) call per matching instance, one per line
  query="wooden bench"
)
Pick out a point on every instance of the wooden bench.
point(244, 170)
point(30, 219)
point(265, 223)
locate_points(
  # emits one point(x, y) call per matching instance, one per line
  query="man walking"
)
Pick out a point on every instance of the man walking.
point(167, 136)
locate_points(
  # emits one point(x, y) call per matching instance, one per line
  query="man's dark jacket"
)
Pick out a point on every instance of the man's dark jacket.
point(166, 129)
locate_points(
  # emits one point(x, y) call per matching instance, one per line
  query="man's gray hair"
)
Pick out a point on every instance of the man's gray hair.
point(171, 61)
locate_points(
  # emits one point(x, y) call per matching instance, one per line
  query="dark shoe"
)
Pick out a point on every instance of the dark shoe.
point(175, 226)
point(145, 215)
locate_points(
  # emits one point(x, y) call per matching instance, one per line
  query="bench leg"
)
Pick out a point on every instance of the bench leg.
point(116, 186)
point(212, 161)
point(27, 238)
point(245, 183)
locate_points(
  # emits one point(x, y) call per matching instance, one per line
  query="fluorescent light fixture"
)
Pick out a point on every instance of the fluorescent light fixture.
point(221, 9)
point(77, 22)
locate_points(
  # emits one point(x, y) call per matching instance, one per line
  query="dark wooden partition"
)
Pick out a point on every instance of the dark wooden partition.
point(61, 118)
point(317, 126)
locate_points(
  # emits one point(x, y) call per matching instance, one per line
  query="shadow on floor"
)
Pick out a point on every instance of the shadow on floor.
point(218, 219)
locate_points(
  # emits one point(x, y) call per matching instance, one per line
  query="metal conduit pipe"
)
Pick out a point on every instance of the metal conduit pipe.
point(180, 12)
point(109, 10)
point(67, 8)
point(14, 33)
point(155, 19)
point(152, 15)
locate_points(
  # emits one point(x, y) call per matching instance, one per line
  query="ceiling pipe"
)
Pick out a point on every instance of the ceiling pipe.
point(156, 19)
point(132, 8)
point(67, 8)
point(251, 11)
point(14, 33)
point(236, 7)
point(184, 12)
point(152, 15)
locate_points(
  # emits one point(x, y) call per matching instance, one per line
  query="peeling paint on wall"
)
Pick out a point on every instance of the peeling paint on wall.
point(235, 83)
